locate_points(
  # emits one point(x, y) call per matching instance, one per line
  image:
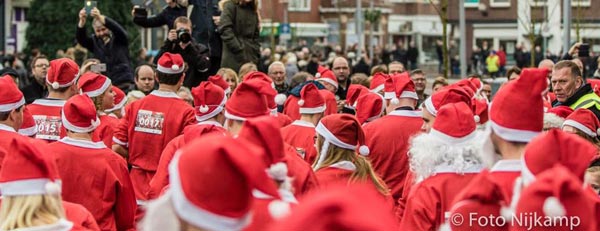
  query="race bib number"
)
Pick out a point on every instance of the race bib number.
point(149, 122)
point(48, 127)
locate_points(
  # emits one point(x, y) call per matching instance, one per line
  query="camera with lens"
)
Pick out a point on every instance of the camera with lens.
point(184, 36)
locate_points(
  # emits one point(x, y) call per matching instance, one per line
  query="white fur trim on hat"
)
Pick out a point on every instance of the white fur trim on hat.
point(323, 131)
point(69, 126)
point(38, 186)
point(378, 89)
point(409, 94)
point(31, 131)
point(312, 110)
point(334, 83)
point(11, 106)
point(117, 106)
point(107, 83)
point(212, 114)
point(514, 135)
point(233, 117)
point(476, 118)
point(429, 106)
point(453, 140)
point(197, 216)
point(581, 127)
point(280, 99)
point(174, 69)
point(301, 102)
point(389, 95)
point(56, 85)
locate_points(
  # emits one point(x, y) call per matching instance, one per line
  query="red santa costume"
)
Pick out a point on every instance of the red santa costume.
point(198, 195)
point(378, 83)
point(26, 171)
point(342, 131)
point(120, 101)
point(508, 123)
point(481, 198)
point(542, 153)
point(62, 73)
point(264, 132)
point(220, 81)
point(210, 100)
point(556, 194)
point(150, 124)
point(369, 107)
point(388, 155)
point(301, 134)
point(443, 161)
point(96, 85)
point(340, 207)
point(330, 102)
point(83, 162)
point(326, 76)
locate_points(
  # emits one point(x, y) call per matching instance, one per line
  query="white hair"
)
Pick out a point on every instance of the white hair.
point(291, 58)
point(428, 152)
point(275, 64)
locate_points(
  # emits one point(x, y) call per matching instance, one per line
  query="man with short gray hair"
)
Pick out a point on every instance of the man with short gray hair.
point(277, 74)
point(571, 89)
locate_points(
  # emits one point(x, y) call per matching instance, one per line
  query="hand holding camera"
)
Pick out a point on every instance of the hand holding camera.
point(181, 35)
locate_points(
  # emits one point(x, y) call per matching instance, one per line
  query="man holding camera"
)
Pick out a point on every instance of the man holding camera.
point(109, 44)
point(180, 41)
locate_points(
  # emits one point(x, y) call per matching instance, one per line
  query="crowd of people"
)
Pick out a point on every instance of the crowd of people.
point(273, 144)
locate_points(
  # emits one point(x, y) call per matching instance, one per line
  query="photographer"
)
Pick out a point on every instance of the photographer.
point(109, 44)
point(173, 10)
point(180, 41)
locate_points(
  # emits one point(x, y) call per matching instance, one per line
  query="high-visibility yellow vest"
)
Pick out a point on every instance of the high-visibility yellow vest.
point(587, 101)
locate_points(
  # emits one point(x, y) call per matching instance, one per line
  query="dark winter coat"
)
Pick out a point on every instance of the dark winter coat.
point(239, 29)
point(115, 53)
point(204, 29)
point(166, 17)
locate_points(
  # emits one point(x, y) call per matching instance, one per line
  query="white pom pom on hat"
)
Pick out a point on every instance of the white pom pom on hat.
point(279, 209)
point(363, 150)
point(280, 99)
point(553, 208)
point(203, 109)
point(395, 101)
point(301, 102)
point(55, 85)
point(278, 171)
point(175, 67)
point(477, 118)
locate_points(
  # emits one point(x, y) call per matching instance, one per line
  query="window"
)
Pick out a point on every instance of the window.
point(538, 2)
point(471, 3)
point(581, 2)
point(299, 5)
point(499, 3)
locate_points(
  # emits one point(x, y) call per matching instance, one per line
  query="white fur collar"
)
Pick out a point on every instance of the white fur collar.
point(507, 166)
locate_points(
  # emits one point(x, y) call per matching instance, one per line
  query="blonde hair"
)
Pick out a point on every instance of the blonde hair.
point(226, 72)
point(98, 102)
point(29, 211)
point(247, 68)
point(364, 171)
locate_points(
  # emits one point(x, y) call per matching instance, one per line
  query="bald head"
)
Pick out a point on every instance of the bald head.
point(546, 63)
point(341, 69)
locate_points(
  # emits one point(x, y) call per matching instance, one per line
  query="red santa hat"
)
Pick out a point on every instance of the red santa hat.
point(557, 196)
point(79, 114)
point(389, 88)
point(199, 194)
point(341, 130)
point(330, 101)
point(327, 76)
point(27, 171)
point(62, 72)
point(311, 101)
point(349, 207)
point(468, 86)
point(454, 124)
point(404, 88)
point(170, 63)
point(556, 146)
point(265, 133)
point(120, 100)
point(354, 91)
point(93, 84)
point(10, 96)
point(209, 100)
point(28, 127)
point(561, 111)
point(249, 100)
point(482, 197)
point(369, 107)
point(273, 101)
point(481, 110)
point(447, 95)
point(517, 113)
point(220, 81)
point(584, 120)
point(378, 82)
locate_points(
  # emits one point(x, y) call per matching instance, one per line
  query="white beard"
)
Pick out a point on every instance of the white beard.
point(487, 149)
point(427, 152)
point(160, 215)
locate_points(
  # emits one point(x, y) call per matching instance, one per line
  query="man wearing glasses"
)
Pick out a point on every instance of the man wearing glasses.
point(37, 89)
point(418, 76)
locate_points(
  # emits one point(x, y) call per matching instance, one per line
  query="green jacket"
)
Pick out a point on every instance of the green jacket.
point(239, 29)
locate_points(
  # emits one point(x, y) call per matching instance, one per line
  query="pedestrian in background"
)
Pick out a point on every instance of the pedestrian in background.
point(239, 26)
